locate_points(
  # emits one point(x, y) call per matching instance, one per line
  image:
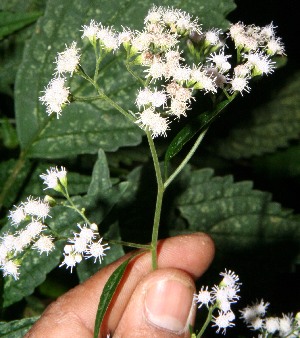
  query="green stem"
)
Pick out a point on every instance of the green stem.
point(108, 99)
point(129, 244)
point(73, 206)
point(159, 198)
point(186, 159)
point(134, 75)
point(207, 321)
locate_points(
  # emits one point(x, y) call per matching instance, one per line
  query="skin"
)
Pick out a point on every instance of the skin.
point(181, 259)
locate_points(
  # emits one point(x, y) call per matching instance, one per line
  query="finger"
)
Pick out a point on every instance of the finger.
point(76, 310)
point(161, 306)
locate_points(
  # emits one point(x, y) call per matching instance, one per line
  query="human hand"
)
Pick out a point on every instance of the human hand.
point(157, 304)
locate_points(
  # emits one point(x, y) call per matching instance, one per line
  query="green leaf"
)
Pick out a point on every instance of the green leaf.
point(234, 214)
point(272, 125)
point(83, 127)
point(8, 134)
point(33, 271)
point(281, 164)
point(107, 295)
point(16, 328)
point(11, 22)
point(8, 168)
point(198, 124)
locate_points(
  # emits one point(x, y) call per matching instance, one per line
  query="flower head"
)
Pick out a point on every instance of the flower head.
point(68, 60)
point(17, 215)
point(10, 268)
point(97, 250)
point(44, 244)
point(203, 297)
point(36, 207)
point(55, 178)
point(56, 96)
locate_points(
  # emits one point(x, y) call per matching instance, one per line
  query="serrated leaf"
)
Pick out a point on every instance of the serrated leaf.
point(16, 328)
point(33, 271)
point(84, 128)
point(11, 22)
point(107, 295)
point(233, 213)
point(272, 125)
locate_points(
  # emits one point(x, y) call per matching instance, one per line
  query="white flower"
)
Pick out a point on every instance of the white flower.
point(239, 84)
point(108, 38)
point(272, 324)
point(285, 325)
point(275, 46)
point(144, 97)
point(181, 74)
point(68, 60)
point(44, 244)
point(141, 41)
point(222, 321)
point(56, 96)
point(90, 31)
point(97, 250)
point(178, 107)
point(17, 216)
point(229, 278)
point(22, 240)
point(261, 64)
point(53, 175)
point(242, 70)
point(154, 15)
point(203, 81)
point(203, 297)
point(213, 36)
point(36, 207)
point(157, 124)
point(220, 60)
point(156, 70)
point(88, 233)
point(10, 268)
point(158, 98)
point(35, 228)
point(71, 258)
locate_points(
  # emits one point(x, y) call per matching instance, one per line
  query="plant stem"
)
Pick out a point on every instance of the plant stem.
point(207, 321)
point(186, 159)
point(159, 199)
point(106, 98)
point(130, 244)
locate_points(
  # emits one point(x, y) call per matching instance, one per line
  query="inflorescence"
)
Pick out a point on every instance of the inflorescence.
point(29, 231)
point(170, 83)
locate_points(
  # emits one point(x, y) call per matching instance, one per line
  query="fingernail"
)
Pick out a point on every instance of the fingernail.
point(168, 305)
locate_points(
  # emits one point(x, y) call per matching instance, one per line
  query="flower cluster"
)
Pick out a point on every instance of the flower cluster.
point(87, 243)
point(284, 326)
point(56, 94)
point(220, 297)
point(33, 233)
point(29, 218)
point(170, 82)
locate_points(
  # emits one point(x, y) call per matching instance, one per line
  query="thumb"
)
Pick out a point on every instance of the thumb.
point(161, 306)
